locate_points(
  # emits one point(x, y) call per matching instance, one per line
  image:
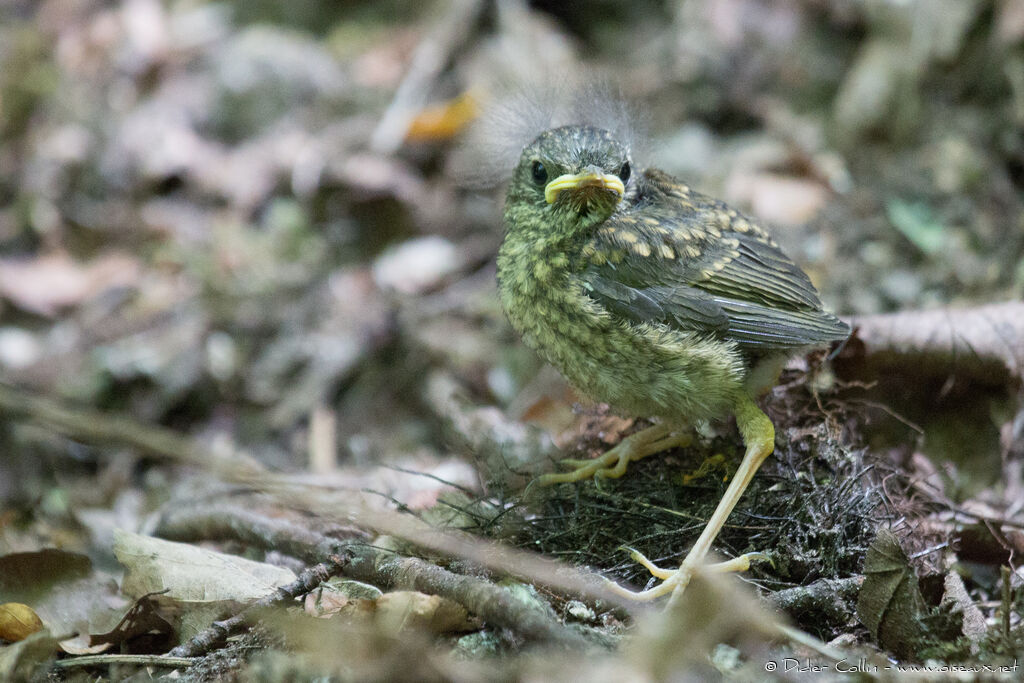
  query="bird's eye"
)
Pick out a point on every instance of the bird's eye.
point(624, 173)
point(540, 174)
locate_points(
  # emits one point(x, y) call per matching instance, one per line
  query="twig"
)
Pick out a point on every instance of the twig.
point(135, 660)
point(1007, 602)
point(492, 603)
point(824, 596)
point(491, 555)
point(212, 637)
point(95, 427)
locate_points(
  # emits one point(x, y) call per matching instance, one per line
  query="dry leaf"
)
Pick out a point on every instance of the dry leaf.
point(777, 198)
point(418, 265)
point(890, 602)
point(955, 596)
point(191, 574)
point(18, 621)
point(395, 611)
point(26, 577)
point(64, 590)
point(443, 121)
point(141, 625)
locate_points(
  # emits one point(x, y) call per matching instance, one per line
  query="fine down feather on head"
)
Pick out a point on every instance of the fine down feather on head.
point(514, 119)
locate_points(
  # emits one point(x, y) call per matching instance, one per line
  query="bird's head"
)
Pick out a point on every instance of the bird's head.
point(569, 179)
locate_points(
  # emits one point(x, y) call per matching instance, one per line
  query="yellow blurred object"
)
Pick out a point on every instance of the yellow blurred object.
point(710, 464)
point(18, 621)
point(445, 120)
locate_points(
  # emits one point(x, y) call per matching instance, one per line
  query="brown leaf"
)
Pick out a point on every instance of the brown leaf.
point(779, 199)
point(191, 574)
point(395, 611)
point(890, 601)
point(141, 626)
point(18, 621)
point(443, 121)
point(27, 577)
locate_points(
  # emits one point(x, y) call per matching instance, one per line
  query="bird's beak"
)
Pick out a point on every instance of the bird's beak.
point(581, 180)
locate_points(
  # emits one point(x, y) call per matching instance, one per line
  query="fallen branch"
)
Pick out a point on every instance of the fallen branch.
point(94, 427)
point(826, 596)
point(133, 660)
point(380, 567)
point(215, 636)
point(985, 343)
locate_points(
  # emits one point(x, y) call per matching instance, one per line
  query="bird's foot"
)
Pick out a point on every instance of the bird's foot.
point(613, 463)
point(711, 463)
point(674, 581)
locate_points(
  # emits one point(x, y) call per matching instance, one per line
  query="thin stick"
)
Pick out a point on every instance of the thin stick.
point(92, 426)
point(134, 660)
point(212, 637)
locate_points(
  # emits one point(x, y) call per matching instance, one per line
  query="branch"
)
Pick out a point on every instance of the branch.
point(92, 426)
point(985, 343)
point(492, 603)
point(135, 660)
point(214, 636)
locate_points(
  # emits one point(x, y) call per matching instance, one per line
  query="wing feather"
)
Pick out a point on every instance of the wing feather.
point(690, 262)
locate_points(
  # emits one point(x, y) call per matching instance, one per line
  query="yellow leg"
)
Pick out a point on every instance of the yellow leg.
point(759, 437)
point(736, 564)
point(612, 464)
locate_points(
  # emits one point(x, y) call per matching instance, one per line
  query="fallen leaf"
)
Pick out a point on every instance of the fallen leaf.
point(62, 588)
point(401, 610)
point(973, 621)
point(192, 574)
point(778, 198)
point(18, 621)
point(26, 577)
point(918, 224)
point(332, 595)
point(417, 265)
point(890, 602)
point(140, 631)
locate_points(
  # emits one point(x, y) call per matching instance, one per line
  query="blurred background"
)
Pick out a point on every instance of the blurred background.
point(246, 221)
point(223, 216)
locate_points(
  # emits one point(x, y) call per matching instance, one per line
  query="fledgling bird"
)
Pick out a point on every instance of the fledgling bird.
point(655, 299)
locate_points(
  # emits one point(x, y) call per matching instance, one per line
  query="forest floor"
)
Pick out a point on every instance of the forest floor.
point(258, 397)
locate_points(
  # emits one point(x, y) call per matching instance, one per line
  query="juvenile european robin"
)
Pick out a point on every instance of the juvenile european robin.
point(655, 299)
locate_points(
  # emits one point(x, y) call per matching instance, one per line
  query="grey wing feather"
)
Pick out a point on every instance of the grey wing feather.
point(741, 287)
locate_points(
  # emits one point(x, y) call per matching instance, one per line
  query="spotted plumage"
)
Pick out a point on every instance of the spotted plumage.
point(655, 299)
point(659, 302)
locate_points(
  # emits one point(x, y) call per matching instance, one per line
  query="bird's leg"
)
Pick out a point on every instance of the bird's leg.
point(612, 464)
point(759, 437)
point(736, 564)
